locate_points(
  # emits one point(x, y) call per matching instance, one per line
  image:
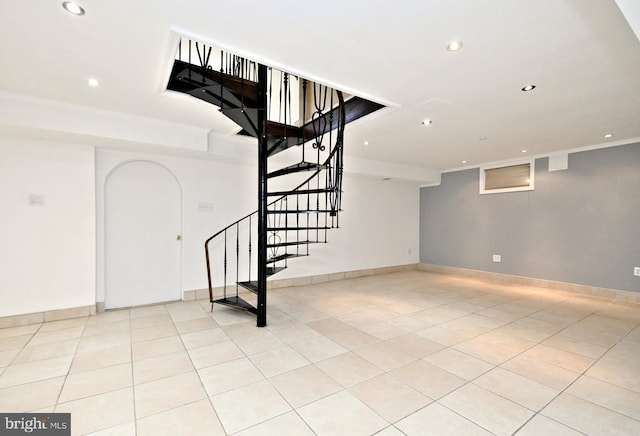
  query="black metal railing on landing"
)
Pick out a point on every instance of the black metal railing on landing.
point(241, 73)
point(285, 113)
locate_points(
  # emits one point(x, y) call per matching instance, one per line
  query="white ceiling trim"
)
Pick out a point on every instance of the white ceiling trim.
point(543, 155)
point(27, 112)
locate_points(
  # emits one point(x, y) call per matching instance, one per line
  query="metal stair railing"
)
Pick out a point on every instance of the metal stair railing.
point(281, 110)
point(278, 207)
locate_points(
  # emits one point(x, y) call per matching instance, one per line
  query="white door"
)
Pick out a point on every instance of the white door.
point(142, 235)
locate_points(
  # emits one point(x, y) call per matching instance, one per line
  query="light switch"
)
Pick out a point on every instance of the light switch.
point(205, 206)
point(35, 200)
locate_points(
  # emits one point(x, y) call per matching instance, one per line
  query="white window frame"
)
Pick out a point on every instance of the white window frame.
point(529, 187)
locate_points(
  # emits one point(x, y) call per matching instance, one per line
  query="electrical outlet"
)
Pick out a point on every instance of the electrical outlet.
point(636, 271)
point(497, 258)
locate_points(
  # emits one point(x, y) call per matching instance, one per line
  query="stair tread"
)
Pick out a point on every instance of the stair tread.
point(215, 98)
point(271, 270)
point(291, 243)
point(284, 256)
point(301, 192)
point(237, 302)
point(186, 77)
point(247, 118)
point(296, 168)
point(291, 229)
point(301, 211)
point(355, 107)
point(251, 285)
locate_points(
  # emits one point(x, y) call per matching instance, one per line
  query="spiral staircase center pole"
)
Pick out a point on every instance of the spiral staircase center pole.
point(262, 197)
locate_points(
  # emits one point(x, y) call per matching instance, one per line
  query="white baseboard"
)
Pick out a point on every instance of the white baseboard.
point(199, 294)
point(51, 315)
point(593, 291)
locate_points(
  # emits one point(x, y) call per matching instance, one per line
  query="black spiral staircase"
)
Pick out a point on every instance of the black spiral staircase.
point(285, 113)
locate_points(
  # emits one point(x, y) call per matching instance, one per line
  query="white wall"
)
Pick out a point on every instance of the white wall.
point(47, 252)
point(230, 188)
point(379, 225)
point(52, 256)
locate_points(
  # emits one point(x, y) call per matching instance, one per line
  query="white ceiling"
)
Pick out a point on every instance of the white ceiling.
point(583, 57)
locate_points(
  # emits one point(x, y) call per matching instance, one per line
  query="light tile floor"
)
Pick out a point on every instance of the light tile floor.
point(402, 353)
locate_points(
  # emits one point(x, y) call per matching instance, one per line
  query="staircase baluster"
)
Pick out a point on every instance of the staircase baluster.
point(285, 90)
point(242, 91)
point(190, 60)
point(285, 206)
point(198, 51)
point(329, 180)
point(206, 252)
point(308, 202)
point(250, 248)
point(304, 114)
point(298, 222)
point(339, 156)
point(237, 256)
point(225, 264)
point(280, 98)
point(270, 93)
point(208, 57)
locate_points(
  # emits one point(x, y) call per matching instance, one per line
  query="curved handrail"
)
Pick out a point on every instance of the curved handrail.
point(335, 152)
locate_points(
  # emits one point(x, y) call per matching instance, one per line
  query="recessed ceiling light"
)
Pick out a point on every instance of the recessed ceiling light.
point(464, 161)
point(93, 82)
point(454, 45)
point(366, 142)
point(529, 88)
point(426, 122)
point(73, 8)
point(524, 151)
point(608, 135)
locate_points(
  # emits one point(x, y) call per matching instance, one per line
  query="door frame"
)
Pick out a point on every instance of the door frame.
point(104, 223)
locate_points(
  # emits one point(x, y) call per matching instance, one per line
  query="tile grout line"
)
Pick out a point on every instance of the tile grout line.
point(497, 366)
point(70, 365)
point(582, 374)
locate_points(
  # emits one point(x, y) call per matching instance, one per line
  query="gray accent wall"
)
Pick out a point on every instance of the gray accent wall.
point(580, 225)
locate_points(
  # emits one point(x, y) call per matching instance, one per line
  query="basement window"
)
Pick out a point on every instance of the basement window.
point(507, 178)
